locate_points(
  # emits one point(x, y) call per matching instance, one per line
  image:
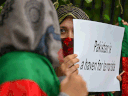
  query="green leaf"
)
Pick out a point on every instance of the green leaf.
point(56, 4)
point(77, 5)
point(65, 0)
point(1, 7)
point(97, 6)
point(106, 17)
point(88, 1)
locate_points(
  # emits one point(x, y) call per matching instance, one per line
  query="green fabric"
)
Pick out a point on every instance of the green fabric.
point(125, 39)
point(27, 65)
point(110, 94)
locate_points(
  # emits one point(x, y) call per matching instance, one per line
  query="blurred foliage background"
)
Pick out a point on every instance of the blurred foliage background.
point(106, 11)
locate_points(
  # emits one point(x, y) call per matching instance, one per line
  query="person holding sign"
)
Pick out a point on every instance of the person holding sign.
point(65, 14)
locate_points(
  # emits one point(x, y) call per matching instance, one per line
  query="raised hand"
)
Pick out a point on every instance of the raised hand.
point(67, 66)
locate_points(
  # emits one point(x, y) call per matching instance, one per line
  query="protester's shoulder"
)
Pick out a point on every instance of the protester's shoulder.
point(24, 57)
point(24, 61)
point(22, 65)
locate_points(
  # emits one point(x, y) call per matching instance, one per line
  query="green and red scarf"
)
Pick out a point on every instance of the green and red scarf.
point(27, 74)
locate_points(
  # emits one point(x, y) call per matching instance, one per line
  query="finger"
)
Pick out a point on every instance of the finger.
point(122, 20)
point(76, 72)
point(125, 23)
point(73, 69)
point(77, 65)
point(113, 92)
point(119, 78)
point(69, 57)
point(63, 68)
point(72, 62)
point(122, 73)
point(117, 24)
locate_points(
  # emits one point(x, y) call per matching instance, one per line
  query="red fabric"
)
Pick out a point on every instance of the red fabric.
point(102, 94)
point(125, 76)
point(21, 88)
point(67, 44)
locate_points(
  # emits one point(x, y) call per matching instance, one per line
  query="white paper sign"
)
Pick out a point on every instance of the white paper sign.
point(98, 46)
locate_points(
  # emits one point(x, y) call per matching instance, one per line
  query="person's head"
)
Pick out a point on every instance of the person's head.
point(66, 14)
point(32, 28)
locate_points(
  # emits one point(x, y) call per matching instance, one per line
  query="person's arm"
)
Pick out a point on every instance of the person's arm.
point(124, 22)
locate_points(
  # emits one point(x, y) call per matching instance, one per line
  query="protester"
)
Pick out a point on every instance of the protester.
point(29, 45)
point(66, 14)
point(124, 56)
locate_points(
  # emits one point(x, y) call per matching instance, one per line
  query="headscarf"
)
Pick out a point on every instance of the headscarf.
point(30, 25)
point(69, 10)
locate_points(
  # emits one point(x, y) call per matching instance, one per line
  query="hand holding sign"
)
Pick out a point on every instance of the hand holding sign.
point(68, 66)
point(119, 76)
